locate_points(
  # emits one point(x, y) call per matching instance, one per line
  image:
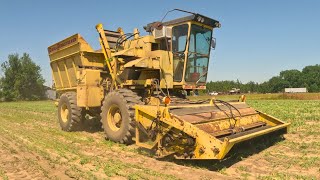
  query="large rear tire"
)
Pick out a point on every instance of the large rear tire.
point(117, 115)
point(69, 114)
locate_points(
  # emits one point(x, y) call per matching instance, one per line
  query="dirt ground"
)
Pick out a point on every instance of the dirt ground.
point(32, 146)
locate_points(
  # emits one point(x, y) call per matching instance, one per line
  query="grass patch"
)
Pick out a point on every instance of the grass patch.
point(3, 175)
point(282, 175)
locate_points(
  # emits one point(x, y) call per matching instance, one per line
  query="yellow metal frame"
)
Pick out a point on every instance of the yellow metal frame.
point(206, 146)
point(107, 54)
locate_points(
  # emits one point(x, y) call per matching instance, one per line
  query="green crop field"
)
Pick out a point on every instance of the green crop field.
point(33, 146)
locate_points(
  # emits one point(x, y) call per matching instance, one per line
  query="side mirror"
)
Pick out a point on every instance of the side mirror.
point(213, 43)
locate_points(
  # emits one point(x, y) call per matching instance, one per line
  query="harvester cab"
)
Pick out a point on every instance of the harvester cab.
point(124, 83)
point(189, 40)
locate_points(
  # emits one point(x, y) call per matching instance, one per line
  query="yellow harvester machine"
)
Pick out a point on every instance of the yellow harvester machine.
point(136, 84)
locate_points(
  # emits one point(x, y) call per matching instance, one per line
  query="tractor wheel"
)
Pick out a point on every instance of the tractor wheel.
point(117, 115)
point(69, 114)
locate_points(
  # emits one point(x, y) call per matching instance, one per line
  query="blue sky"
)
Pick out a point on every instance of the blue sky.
point(257, 40)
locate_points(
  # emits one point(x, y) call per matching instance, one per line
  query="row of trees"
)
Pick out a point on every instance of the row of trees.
point(21, 79)
point(308, 78)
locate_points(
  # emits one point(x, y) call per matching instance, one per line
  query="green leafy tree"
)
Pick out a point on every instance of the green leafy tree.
point(22, 79)
point(251, 86)
point(278, 84)
point(1, 94)
point(311, 76)
point(293, 77)
point(314, 88)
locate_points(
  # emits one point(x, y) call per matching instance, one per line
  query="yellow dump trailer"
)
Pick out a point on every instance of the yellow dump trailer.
point(76, 67)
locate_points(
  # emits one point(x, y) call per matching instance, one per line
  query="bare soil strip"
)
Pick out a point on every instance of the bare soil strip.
point(32, 146)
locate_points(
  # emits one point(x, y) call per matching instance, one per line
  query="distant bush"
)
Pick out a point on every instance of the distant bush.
point(22, 79)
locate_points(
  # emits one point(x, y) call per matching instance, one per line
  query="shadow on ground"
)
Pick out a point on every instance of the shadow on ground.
point(238, 152)
point(91, 125)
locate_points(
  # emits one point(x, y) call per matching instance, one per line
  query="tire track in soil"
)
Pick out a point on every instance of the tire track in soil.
point(57, 166)
point(166, 167)
point(18, 163)
point(14, 163)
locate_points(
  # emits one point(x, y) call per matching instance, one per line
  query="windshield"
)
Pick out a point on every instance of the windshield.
point(198, 55)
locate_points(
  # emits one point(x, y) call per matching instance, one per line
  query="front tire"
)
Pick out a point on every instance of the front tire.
point(69, 114)
point(117, 115)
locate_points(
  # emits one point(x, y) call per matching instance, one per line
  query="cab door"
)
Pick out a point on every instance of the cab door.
point(179, 43)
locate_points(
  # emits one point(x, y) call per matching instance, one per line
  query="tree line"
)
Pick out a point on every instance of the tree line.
point(21, 79)
point(308, 78)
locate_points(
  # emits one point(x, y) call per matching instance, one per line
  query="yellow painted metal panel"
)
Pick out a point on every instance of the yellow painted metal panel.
point(67, 56)
point(89, 91)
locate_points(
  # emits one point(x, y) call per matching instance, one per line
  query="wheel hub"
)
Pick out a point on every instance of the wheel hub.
point(64, 113)
point(117, 117)
point(114, 118)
